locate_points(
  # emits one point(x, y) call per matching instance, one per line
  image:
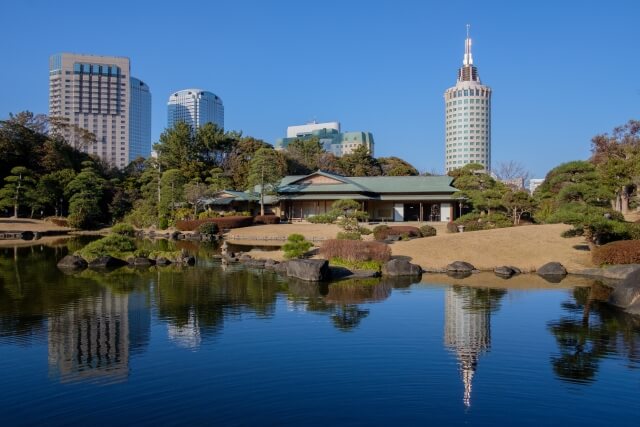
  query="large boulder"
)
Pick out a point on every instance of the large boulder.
point(615, 272)
point(400, 267)
point(107, 262)
point(280, 267)
point(141, 261)
point(627, 293)
point(163, 261)
point(552, 272)
point(310, 270)
point(72, 262)
point(461, 267)
point(504, 271)
point(270, 264)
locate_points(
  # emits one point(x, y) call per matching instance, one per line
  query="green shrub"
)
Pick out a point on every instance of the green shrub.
point(572, 233)
point(296, 247)
point(163, 224)
point(427, 231)
point(208, 229)
point(124, 229)
point(380, 232)
point(364, 231)
point(475, 222)
point(349, 235)
point(322, 219)
point(114, 245)
point(622, 252)
point(208, 214)
point(356, 265)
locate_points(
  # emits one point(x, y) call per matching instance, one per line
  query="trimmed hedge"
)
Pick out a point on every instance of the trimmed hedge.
point(476, 222)
point(349, 235)
point(621, 252)
point(428, 231)
point(322, 219)
point(223, 222)
point(355, 250)
point(382, 232)
point(208, 229)
point(266, 219)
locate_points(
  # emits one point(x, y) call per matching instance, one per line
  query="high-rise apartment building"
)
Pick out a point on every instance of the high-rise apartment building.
point(468, 117)
point(195, 107)
point(94, 93)
point(139, 120)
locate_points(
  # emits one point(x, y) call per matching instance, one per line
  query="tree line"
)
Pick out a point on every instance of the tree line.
point(43, 175)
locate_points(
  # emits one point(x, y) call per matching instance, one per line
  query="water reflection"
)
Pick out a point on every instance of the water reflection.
point(467, 328)
point(94, 337)
point(590, 331)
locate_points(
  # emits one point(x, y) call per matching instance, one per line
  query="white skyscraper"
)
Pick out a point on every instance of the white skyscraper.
point(468, 117)
point(93, 93)
point(195, 107)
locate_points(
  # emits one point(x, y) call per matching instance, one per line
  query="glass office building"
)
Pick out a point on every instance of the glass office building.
point(195, 107)
point(139, 120)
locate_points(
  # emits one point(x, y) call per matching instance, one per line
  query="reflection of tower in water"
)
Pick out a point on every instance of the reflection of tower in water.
point(94, 337)
point(467, 331)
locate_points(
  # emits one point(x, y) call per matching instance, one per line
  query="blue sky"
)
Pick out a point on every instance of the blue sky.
point(561, 72)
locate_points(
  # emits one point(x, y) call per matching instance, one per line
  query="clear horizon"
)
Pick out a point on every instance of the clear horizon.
point(559, 72)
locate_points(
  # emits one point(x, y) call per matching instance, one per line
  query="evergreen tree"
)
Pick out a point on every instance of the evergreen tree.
point(265, 172)
point(18, 189)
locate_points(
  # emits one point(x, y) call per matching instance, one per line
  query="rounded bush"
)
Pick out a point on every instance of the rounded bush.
point(208, 228)
point(620, 252)
point(349, 235)
point(124, 229)
point(428, 231)
point(296, 246)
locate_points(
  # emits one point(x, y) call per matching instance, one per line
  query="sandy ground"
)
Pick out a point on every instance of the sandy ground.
point(26, 224)
point(527, 247)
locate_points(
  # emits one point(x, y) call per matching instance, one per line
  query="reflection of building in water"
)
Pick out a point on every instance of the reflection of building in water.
point(186, 335)
point(467, 331)
point(94, 337)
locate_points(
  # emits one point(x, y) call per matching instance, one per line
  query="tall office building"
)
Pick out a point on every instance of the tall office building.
point(94, 94)
point(468, 117)
point(195, 107)
point(139, 120)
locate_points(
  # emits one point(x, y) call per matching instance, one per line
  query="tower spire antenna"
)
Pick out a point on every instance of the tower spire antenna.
point(468, 58)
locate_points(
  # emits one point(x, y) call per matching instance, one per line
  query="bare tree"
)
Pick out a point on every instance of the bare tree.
point(511, 170)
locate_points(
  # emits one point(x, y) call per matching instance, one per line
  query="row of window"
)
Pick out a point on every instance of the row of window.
point(468, 92)
point(96, 69)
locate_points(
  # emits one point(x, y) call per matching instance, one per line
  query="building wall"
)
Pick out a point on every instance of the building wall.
point(139, 120)
point(93, 93)
point(196, 108)
point(307, 129)
point(333, 141)
point(468, 125)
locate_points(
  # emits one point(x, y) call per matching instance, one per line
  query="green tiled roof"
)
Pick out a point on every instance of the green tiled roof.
point(371, 184)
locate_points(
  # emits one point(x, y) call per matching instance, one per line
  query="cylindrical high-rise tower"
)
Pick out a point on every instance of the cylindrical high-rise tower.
point(468, 117)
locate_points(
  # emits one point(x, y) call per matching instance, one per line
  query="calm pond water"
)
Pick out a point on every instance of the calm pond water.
point(216, 346)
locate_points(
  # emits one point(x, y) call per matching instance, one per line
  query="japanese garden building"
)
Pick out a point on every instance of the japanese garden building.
point(384, 198)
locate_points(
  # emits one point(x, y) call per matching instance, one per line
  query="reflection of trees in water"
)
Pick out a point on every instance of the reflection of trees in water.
point(340, 299)
point(589, 331)
point(31, 287)
point(196, 301)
